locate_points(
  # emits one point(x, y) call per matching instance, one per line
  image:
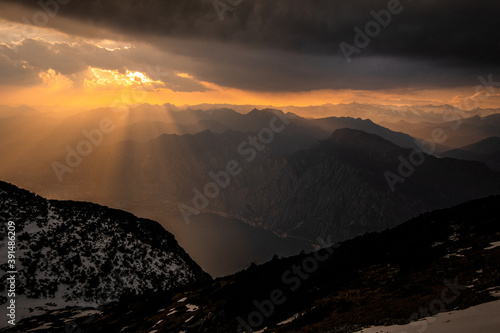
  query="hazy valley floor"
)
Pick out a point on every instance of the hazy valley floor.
point(224, 246)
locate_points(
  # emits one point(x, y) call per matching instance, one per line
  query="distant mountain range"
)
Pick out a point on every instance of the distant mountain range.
point(82, 254)
point(375, 112)
point(337, 187)
point(28, 159)
point(440, 261)
point(391, 113)
point(298, 181)
point(459, 132)
point(11, 111)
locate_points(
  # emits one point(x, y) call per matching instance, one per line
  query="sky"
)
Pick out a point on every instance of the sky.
point(107, 52)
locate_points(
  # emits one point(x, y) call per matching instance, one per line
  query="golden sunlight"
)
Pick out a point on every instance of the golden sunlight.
point(113, 79)
point(55, 80)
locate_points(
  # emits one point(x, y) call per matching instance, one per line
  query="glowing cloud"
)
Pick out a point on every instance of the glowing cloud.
point(55, 80)
point(185, 75)
point(113, 79)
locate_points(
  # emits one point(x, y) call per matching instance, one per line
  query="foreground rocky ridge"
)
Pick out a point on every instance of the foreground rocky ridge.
point(444, 260)
point(77, 253)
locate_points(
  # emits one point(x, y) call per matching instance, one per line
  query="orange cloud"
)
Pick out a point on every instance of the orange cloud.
point(55, 80)
point(113, 79)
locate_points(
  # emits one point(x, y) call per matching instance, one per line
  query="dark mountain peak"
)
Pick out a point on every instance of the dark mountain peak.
point(190, 110)
point(265, 112)
point(486, 146)
point(486, 151)
point(169, 106)
point(354, 139)
point(223, 112)
point(257, 112)
point(205, 134)
point(22, 110)
point(166, 136)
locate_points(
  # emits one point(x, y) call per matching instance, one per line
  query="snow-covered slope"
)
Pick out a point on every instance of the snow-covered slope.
point(483, 318)
point(76, 253)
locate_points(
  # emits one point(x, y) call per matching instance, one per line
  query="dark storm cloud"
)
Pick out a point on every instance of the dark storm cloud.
point(462, 31)
point(266, 45)
point(14, 73)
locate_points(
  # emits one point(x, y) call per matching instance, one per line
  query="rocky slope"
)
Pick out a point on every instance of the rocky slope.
point(440, 261)
point(74, 253)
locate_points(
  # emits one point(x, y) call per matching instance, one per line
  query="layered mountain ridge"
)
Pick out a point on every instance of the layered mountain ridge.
point(302, 182)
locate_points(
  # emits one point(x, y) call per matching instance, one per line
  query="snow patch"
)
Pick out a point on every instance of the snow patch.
point(493, 245)
point(482, 318)
point(289, 320)
point(42, 327)
point(449, 255)
point(191, 308)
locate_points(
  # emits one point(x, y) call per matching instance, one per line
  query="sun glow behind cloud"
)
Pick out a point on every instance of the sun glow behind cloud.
point(113, 79)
